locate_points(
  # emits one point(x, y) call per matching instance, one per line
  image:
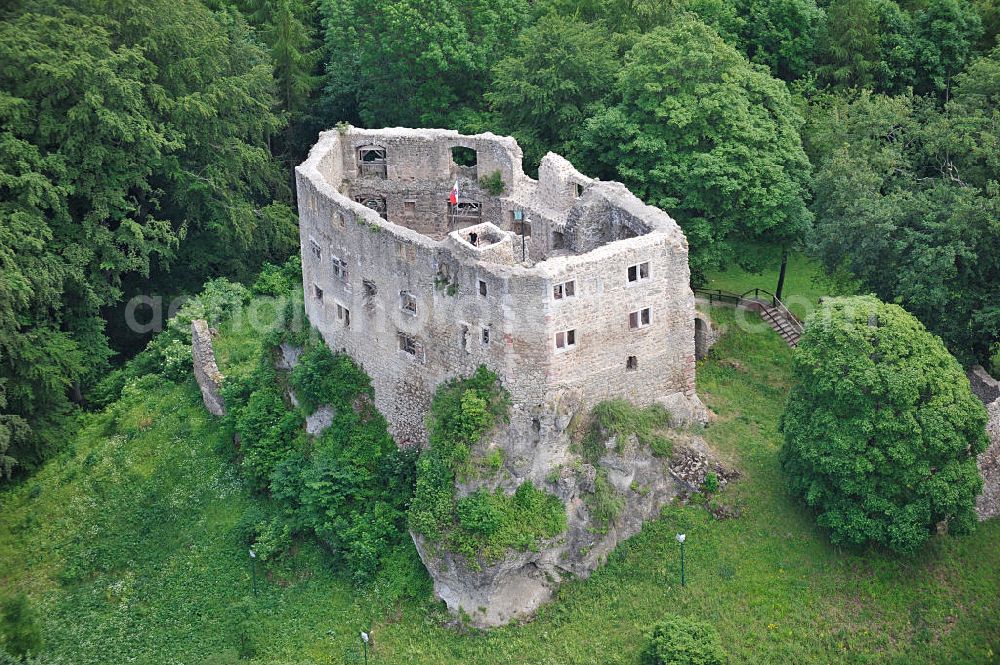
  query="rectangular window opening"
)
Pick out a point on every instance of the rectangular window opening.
point(565, 339)
point(407, 344)
point(339, 268)
point(407, 302)
point(486, 336)
point(482, 288)
point(631, 364)
point(639, 318)
point(558, 240)
point(344, 315)
point(316, 251)
point(370, 288)
point(372, 161)
point(317, 292)
point(564, 290)
point(638, 272)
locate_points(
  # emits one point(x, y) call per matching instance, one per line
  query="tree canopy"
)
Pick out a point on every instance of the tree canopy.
point(134, 138)
point(881, 429)
point(697, 130)
point(546, 87)
point(413, 63)
point(907, 201)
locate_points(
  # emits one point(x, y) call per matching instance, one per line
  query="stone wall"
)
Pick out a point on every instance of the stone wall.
point(206, 371)
point(416, 274)
point(988, 389)
point(984, 386)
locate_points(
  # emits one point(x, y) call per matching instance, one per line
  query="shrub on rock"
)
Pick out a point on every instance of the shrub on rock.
point(882, 429)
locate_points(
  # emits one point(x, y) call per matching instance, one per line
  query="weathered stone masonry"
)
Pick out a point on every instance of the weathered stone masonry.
point(206, 371)
point(563, 286)
point(988, 390)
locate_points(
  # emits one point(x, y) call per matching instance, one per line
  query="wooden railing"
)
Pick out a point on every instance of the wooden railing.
point(718, 295)
point(759, 297)
point(793, 320)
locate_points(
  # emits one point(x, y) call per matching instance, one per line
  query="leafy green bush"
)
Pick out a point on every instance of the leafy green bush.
point(177, 361)
point(279, 280)
point(350, 485)
point(20, 633)
point(462, 411)
point(324, 378)
point(676, 640)
point(621, 419)
point(493, 183)
point(881, 429)
point(433, 507)
point(484, 523)
point(274, 539)
point(245, 530)
point(269, 428)
point(711, 483)
point(490, 523)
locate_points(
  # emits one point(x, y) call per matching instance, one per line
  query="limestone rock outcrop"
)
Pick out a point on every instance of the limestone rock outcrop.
point(493, 593)
point(206, 371)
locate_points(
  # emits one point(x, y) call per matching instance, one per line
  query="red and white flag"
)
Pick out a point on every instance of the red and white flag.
point(453, 196)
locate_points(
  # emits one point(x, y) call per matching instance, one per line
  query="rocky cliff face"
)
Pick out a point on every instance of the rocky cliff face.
point(628, 473)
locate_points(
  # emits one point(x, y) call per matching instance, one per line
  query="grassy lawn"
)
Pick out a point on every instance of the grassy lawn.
point(126, 546)
point(805, 282)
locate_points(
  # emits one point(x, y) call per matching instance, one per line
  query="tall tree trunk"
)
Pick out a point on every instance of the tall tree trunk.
point(781, 274)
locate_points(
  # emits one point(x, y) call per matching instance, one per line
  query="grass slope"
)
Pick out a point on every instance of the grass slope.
point(126, 546)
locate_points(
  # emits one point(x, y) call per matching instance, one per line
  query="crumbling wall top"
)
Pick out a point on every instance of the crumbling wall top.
point(578, 214)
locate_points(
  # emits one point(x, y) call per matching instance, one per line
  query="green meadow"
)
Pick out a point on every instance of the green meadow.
point(126, 545)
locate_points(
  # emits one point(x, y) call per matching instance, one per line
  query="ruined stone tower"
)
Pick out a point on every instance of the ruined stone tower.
point(571, 289)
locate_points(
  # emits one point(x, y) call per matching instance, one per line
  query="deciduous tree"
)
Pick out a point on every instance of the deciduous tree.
point(905, 201)
point(546, 87)
point(413, 62)
point(134, 137)
point(698, 131)
point(867, 44)
point(881, 429)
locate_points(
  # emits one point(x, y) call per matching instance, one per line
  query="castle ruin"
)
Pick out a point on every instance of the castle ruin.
point(426, 253)
point(561, 284)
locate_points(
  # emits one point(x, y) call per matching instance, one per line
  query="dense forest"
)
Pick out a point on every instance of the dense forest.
point(147, 147)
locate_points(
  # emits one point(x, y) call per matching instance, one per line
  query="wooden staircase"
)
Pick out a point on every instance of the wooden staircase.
point(789, 328)
point(772, 310)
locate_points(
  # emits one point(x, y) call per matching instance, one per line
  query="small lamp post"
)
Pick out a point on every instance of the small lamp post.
point(253, 570)
point(364, 643)
point(680, 539)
